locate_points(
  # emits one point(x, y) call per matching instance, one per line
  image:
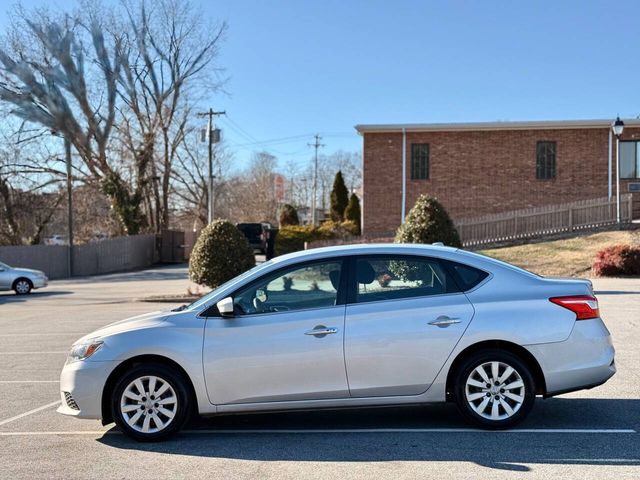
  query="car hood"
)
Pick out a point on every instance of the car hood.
point(134, 323)
point(28, 270)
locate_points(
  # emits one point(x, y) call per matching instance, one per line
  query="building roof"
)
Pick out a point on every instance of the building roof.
point(479, 126)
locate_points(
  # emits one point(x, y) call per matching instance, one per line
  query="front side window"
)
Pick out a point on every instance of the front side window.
point(545, 160)
point(398, 276)
point(629, 160)
point(298, 288)
point(419, 161)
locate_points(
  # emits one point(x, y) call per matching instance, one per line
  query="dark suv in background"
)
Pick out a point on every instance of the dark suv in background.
point(261, 236)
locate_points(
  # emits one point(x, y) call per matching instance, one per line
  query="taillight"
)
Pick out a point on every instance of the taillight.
point(584, 306)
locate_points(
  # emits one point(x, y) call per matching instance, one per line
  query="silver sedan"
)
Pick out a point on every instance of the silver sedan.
point(347, 327)
point(21, 280)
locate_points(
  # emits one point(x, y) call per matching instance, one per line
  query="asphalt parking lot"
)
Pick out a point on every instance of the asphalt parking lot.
point(589, 434)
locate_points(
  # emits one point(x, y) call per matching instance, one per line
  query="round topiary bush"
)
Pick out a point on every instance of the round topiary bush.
point(428, 222)
point(221, 253)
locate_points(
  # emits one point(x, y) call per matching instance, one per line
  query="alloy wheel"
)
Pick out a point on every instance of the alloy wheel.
point(149, 404)
point(495, 390)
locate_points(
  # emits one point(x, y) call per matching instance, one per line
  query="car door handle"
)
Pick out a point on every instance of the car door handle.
point(320, 331)
point(444, 321)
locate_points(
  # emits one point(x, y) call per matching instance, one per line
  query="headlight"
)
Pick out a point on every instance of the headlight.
point(83, 351)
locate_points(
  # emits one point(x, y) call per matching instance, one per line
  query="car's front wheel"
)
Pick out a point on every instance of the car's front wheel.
point(150, 402)
point(22, 286)
point(494, 389)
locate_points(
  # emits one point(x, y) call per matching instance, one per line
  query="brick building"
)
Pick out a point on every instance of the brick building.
point(481, 168)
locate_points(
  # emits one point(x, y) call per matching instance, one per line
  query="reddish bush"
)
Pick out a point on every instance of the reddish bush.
point(617, 260)
point(384, 280)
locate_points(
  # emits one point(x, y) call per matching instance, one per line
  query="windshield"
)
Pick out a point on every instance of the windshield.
point(240, 277)
point(5, 266)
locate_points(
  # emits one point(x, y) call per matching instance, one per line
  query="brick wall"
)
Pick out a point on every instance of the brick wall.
point(479, 172)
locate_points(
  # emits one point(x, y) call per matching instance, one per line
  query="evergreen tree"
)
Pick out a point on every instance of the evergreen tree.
point(352, 212)
point(339, 198)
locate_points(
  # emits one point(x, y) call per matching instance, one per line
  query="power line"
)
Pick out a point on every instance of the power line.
point(274, 140)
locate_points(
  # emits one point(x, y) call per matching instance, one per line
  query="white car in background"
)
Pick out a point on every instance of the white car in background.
point(55, 240)
point(21, 280)
point(349, 326)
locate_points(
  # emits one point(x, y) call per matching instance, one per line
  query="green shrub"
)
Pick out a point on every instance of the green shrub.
point(292, 238)
point(221, 253)
point(428, 222)
point(341, 230)
point(288, 216)
point(352, 213)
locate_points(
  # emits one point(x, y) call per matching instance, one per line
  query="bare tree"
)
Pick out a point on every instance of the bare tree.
point(70, 89)
point(120, 92)
point(169, 53)
point(254, 197)
point(301, 182)
point(190, 180)
point(30, 183)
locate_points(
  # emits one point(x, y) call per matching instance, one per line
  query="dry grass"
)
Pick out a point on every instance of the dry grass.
point(569, 257)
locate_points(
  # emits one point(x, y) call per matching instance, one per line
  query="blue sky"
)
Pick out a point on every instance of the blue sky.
point(300, 67)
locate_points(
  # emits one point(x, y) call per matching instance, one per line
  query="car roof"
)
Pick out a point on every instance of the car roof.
point(365, 249)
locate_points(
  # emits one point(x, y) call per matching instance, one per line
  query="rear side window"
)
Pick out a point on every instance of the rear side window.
point(398, 276)
point(467, 277)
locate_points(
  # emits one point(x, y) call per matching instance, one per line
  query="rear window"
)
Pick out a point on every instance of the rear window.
point(467, 277)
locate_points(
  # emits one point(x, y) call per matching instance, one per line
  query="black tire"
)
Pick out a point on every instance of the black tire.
point(182, 407)
point(20, 284)
point(495, 394)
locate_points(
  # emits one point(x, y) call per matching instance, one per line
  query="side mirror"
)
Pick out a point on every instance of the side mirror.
point(225, 307)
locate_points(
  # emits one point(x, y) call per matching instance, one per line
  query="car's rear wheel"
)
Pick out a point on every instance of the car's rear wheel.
point(494, 389)
point(22, 286)
point(150, 402)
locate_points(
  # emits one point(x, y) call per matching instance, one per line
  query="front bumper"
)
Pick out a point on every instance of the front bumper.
point(81, 386)
point(40, 282)
point(584, 360)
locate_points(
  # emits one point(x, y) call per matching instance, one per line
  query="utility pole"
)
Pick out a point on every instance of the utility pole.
point(210, 134)
point(67, 151)
point(316, 145)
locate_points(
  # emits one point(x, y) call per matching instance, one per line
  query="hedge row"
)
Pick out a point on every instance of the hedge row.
point(292, 238)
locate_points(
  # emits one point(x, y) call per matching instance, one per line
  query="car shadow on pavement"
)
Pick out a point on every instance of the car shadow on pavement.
point(514, 451)
point(10, 297)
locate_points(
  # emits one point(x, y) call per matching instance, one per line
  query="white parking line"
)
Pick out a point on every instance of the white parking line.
point(29, 381)
point(42, 334)
point(341, 430)
point(25, 414)
point(416, 430)
point(32, 353)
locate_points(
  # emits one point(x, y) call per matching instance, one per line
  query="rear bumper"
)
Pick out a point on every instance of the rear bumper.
point(584, 360)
